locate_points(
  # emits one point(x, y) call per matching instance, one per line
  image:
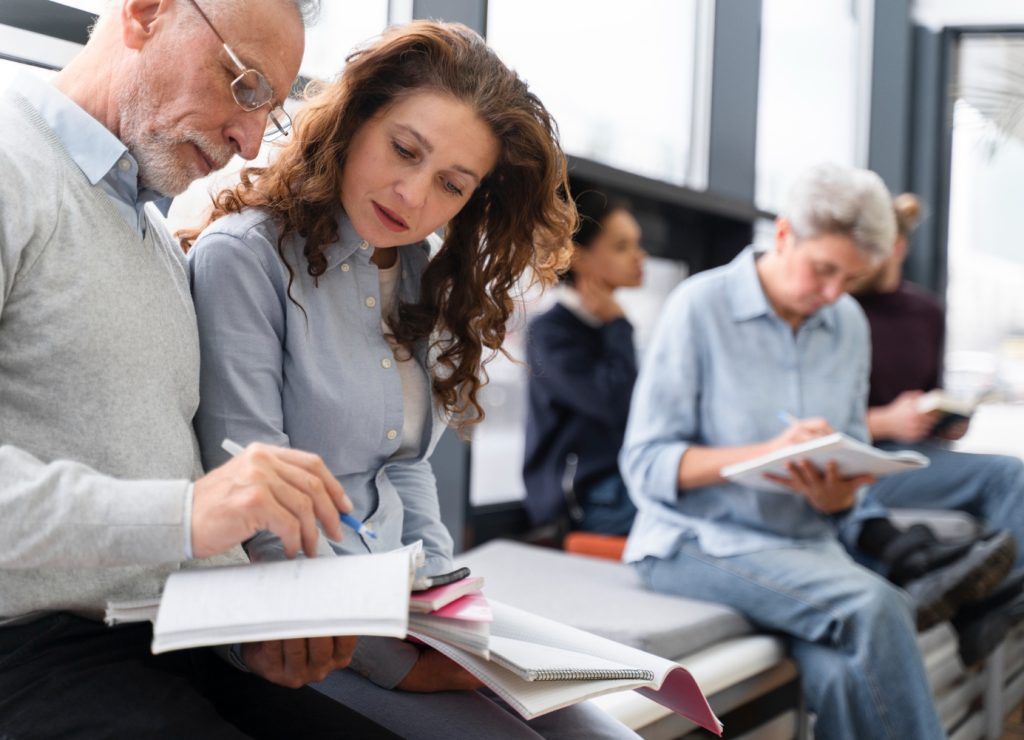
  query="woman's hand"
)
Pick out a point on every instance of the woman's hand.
point(801, 430)
point(828, 493)
point(598, 299)
point(434, 671)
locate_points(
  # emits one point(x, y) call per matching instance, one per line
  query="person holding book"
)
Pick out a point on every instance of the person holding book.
point(582, 369)
point(331, 320)
point(102, 494)
point(907, 342)
point(735, 345)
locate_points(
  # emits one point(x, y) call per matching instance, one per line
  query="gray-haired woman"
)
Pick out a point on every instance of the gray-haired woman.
point(772, 335)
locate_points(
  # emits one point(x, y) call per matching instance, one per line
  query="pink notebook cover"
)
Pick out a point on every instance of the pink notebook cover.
point(434, 598)
point(472, 607)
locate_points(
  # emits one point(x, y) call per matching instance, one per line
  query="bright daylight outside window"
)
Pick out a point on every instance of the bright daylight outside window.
point(620, 83)
point(814, 68)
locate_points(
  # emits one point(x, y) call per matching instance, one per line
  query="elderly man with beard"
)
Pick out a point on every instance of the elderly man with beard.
point(101, 490)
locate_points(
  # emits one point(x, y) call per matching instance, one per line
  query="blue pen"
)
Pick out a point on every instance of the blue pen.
point(787, 418)
point(233, 448)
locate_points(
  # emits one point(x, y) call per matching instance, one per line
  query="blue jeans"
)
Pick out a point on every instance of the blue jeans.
point(850, 631)
point(607, 507)
point(988, 487)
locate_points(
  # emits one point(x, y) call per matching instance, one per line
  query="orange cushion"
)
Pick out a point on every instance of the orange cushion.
point(605, 546)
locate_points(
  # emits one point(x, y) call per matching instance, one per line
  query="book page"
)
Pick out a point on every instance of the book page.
point(350, 595)
point(532, 698)
point(852, 456)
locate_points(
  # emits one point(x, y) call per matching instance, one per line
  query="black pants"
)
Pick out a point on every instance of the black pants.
point(68, 677)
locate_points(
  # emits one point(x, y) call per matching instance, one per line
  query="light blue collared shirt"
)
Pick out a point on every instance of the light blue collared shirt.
point(720, 368)
point(100, 155)
point(315, 373)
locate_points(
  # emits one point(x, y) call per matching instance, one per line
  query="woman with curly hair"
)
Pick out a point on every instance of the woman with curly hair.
point(332, 320)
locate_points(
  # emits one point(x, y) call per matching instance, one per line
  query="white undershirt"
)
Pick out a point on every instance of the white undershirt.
point(415, 389)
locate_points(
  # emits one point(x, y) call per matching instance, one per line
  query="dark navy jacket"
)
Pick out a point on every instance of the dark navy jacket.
point(581, 379)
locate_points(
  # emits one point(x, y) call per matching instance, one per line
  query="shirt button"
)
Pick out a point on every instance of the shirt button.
point(345, 267)
point(364, 245)
point(371, 302)
point(392, 434)
point(124, 165)
point(385, 363)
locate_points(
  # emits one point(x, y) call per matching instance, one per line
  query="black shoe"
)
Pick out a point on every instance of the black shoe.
point(981, 631)
point(971, 577)
point(916, 552)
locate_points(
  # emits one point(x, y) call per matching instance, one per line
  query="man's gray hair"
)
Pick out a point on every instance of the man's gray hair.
point(845, 201)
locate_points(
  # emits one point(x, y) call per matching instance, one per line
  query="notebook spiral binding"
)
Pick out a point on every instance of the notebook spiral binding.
point(637, 674)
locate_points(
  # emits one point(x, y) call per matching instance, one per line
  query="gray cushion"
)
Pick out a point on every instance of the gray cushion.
point(600, 596)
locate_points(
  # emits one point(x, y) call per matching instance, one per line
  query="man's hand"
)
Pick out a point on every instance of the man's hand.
point(434, 671)
point(827, 493)
point(901, 421)
point(294, 663)
point(265, 487)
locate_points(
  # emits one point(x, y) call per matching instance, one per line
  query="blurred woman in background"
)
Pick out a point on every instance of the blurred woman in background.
point(582, 369)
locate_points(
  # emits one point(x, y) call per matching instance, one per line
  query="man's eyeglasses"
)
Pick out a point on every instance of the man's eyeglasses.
point(251, 90)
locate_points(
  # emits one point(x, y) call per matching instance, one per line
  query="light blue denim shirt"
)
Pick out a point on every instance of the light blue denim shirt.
point(719, 369)
point(100, 155)
point(315, 378)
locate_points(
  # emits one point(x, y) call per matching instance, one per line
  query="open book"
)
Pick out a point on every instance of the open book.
point(538, 665)
point(305, 597)
point(854, 458)
point(952, 409)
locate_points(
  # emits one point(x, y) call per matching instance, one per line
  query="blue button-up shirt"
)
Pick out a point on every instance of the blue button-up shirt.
point(720, 368)
point(315, 373)
point(100, 155)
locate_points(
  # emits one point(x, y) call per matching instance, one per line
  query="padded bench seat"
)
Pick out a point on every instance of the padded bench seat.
point(601, 596)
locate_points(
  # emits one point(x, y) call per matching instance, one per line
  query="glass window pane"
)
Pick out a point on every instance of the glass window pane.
point(620, 84)
point(811, 62)
point(985, 315)
point(342, 26)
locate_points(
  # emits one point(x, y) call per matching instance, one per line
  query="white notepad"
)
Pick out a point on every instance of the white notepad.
point(305, 597)
point(854, 458)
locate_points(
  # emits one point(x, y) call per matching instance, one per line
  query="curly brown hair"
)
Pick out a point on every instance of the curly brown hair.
point(520, 217)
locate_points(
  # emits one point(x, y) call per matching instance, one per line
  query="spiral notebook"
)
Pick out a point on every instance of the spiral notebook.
point(538, 665)
point(534, 662)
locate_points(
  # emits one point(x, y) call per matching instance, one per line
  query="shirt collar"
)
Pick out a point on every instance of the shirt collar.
point(350, 245)
point(747, 299)
point(91, 145)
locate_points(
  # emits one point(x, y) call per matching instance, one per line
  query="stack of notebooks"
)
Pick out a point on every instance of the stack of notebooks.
point(535, 664)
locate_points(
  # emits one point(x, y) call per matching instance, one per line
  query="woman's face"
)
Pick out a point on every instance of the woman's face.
point(816, 272)
point(413, 166)
point(615, 256)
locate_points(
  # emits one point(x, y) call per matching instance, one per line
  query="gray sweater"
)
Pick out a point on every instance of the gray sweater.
point(99, 378)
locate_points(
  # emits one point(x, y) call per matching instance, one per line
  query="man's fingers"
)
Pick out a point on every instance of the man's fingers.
point(280, 520)
point(321, 656)
point(305, 483)
point(296, 661)
point(343, 648)
point(313, 464)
